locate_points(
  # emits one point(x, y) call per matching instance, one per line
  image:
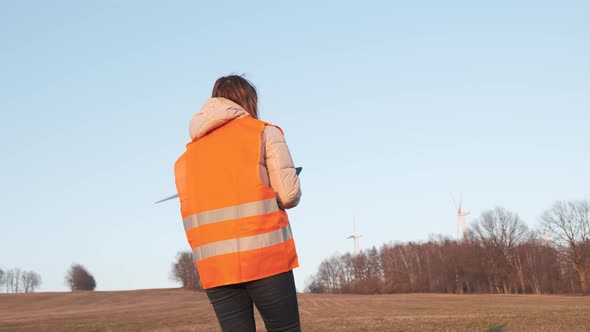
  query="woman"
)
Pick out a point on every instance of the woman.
point(235, 181)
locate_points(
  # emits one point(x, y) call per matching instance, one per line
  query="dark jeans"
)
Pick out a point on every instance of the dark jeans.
point(275, 297)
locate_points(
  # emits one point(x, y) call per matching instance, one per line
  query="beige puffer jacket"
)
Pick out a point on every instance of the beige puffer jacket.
point(276, 166)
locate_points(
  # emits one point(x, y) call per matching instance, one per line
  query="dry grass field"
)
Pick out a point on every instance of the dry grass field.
point(178, 310)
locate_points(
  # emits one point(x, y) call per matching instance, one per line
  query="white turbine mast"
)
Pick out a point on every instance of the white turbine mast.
point(546, 237)
point(461, 214)
point(356, 236)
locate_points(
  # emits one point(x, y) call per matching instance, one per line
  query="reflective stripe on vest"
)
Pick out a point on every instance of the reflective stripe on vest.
point(243, 244)
point(233, 212)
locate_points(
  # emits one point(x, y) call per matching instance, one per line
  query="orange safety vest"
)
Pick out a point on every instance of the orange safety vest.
point(233, 223)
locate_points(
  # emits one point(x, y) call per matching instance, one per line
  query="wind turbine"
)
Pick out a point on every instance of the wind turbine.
point(546, 237)
point(356, 236)
point(461, 214)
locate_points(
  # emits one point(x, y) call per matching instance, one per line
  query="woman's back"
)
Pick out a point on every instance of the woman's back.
point(276, 165)
point(235, 181)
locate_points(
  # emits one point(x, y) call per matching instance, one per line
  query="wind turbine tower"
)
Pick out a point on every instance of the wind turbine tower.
point(461, 214)
point(356, 236)
point(546, 237)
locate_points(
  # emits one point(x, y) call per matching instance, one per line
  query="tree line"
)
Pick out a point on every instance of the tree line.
point(19, 281)
point(78, 278)
point(499, 254)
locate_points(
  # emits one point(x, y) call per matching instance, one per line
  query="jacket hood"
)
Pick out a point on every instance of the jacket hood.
point(214, 113)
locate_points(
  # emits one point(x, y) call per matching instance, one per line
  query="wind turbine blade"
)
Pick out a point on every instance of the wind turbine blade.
point(167, 198)
point(460, 201)
point(454, 202)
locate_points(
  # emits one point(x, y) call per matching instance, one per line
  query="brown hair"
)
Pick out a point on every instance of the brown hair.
point(239, 90)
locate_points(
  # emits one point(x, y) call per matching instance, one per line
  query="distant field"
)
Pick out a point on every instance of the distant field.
point(178, 310)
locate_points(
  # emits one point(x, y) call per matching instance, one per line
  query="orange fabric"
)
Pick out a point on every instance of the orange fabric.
point(221, 170)
point(236, 267)
point(222, 160)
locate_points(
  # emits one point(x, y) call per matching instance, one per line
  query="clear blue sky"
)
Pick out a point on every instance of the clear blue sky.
point(388, 106)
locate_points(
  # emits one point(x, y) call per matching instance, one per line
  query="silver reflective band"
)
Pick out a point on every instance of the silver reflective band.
point(233, 212)
point(243, 243)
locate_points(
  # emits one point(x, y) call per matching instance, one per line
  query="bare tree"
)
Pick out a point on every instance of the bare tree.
point(13, 281)
point(78, 278)
point(347, 277)
point(499, 231)
point(17, 281)
point(499, 228)
point(185, 271)
point(314, 285)
point(329, 274)
point(568, 225)
point(30, 281)
point(2, 278)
